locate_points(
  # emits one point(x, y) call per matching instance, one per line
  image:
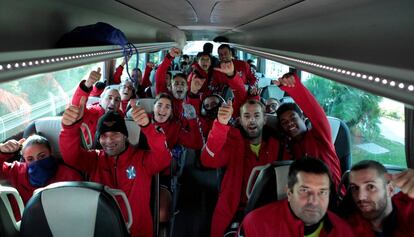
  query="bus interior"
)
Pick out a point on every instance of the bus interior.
point(354, 56)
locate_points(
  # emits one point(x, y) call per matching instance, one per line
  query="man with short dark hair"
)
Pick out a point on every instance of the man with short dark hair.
point(238, 151)
point(304, 212)
point(301, 140)
point(375, 209)
point(116, 163)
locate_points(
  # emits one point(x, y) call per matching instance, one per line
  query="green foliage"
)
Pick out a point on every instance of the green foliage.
point(358, 109)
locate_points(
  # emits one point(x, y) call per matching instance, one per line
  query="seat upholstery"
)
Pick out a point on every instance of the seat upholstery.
point(74, 209)
point(341, 138)
point(48, 127)
point(269, 185)
point(8, 224)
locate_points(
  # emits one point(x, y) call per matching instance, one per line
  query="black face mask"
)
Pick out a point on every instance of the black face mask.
point(211, 113)
point(41, 171)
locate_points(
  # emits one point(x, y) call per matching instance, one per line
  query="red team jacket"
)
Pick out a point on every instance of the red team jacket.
point(91, 113)
point(317, 141)
point(227, 148)
point(130, 172)
point(401, 226)
point(276, 219)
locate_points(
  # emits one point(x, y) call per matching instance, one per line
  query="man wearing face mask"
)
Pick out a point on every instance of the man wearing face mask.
point(115, 162)
point(110, 101)
point(238, 151)
point(39, 168)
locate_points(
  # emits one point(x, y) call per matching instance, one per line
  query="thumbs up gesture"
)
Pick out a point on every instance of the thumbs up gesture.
point(94, 76)
point(11, 146)
point(73, 113)
point(138, 114)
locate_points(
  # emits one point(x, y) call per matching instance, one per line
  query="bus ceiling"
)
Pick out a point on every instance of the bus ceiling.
point(370, 37)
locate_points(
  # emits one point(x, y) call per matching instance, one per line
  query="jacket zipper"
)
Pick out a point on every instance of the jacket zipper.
point(116, 174)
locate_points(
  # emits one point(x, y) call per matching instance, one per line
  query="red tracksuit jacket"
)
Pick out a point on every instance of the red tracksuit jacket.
point(91, 113)
point(227, 148)
point(317, 142)
point(276, 219)
point(175, 133)
point(401, 226)
point(130, 171)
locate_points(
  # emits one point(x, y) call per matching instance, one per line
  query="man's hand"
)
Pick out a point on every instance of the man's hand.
point(11, 146)
point(226, 68)
point(225, 112)
point(174, 52)
point(196, 83)
point(254, 91)
point(404, 181)
point(94, 76)
point(138, 114)
point(73, 113)
point(150, 64)
point(286, 80)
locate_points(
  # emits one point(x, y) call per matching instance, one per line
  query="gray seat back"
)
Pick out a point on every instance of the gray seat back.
point(48, 127)
point(341, 139)
point(267, 184)
point(75, 209)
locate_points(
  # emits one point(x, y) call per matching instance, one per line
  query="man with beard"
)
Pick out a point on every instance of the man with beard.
point(238, 151)
point(116, 163)
point(301, 140)
point(304, 212)
point(375, 208)
point(110, 101)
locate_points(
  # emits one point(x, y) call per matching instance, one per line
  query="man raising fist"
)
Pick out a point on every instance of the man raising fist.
point(116, 163)
point(238, 151)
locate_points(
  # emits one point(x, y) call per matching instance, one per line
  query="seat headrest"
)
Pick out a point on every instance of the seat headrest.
point(341, 138)
point(272, 91)
point(73, 209)
point(270, 184)
point(48, 127)
point(146, 103)
point(133, 132)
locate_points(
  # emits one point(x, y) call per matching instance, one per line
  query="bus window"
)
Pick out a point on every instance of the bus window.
point(275, 69)
point(376, 123)
point(37, 96)
point(155, 57)
point(132, 63)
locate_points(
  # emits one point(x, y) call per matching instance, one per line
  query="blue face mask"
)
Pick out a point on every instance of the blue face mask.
point(41, 171)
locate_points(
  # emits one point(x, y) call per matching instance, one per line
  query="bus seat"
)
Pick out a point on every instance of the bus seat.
point(114, 86)
point(271, 122)
point(272, 91)
point(341, 138)
point(48, 127)
point(266, 184)
point(8, 224)
point(133, 131)
point(92, 100)
point(147, 103)
point(75, 209)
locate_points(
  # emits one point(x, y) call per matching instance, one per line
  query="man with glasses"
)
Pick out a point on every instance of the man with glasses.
point(271, 105)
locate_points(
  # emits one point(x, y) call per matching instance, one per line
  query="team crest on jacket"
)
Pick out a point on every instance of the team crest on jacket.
point(131, 172)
